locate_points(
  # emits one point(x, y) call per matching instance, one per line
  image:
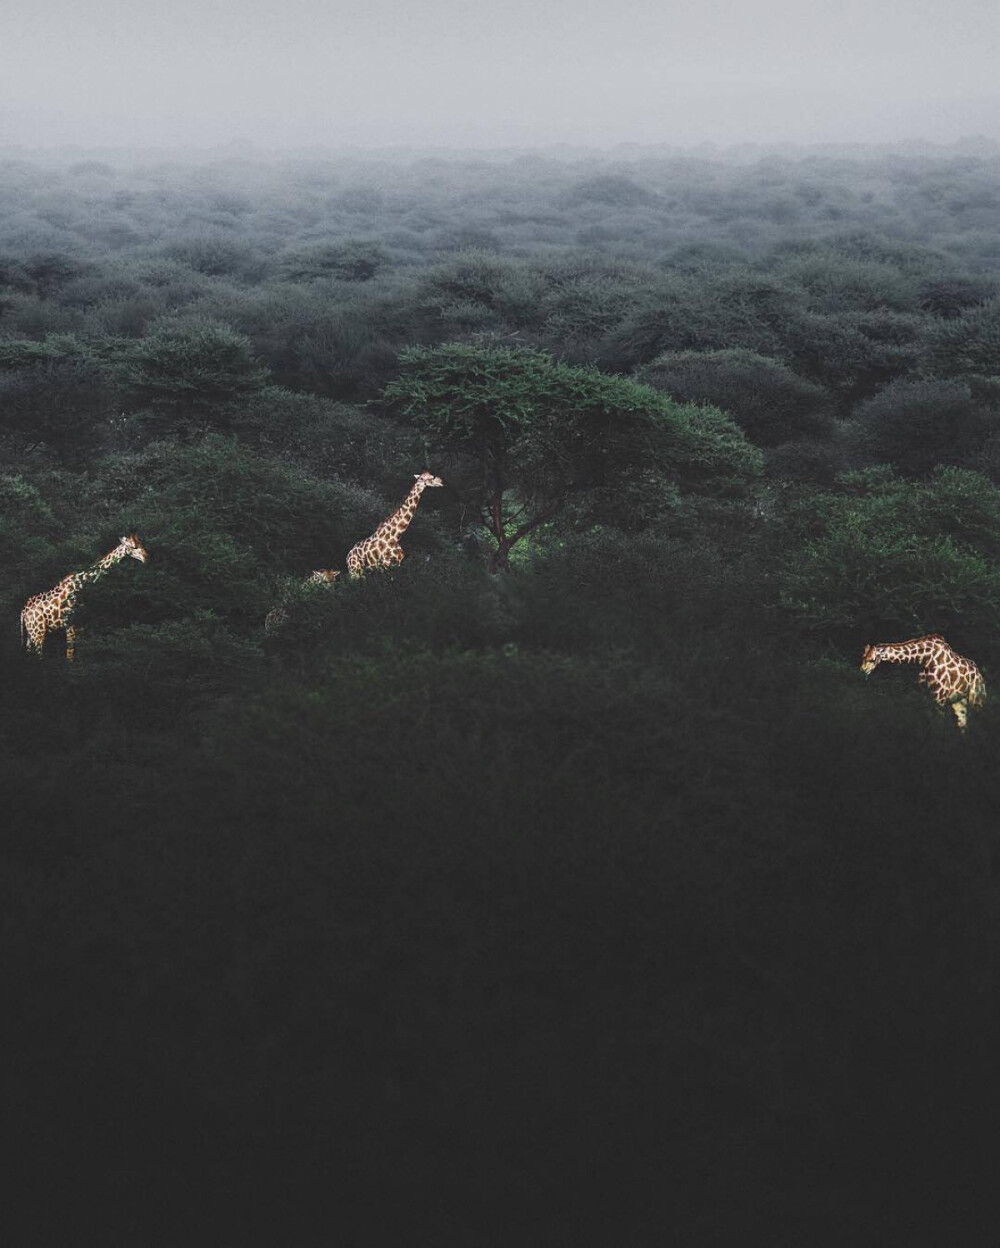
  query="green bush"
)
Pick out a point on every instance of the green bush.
point(886, 559)
point(919, 424)
point(352, 260)
point(434, 602)
point(188, 371)
point(839, 284)
point(766, 399)
point(213, 253)
point(969, 343)
point(64, 405)
point(854, 354)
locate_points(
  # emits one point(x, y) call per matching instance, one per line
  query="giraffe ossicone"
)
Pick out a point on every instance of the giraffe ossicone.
point(52, 611)
point(382, 549)
point(951, 679)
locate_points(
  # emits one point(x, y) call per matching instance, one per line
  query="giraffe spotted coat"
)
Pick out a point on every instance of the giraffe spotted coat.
point(382, 549)
point(951, 679)
point(52, 611)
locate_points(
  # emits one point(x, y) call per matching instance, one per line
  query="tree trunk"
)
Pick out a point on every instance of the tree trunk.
point(500, 558)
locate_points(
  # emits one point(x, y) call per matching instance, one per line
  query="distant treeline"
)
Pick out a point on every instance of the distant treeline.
point(842, 308)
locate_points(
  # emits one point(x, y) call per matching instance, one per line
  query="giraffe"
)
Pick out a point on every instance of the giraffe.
point(952, 680)
point(382, 549)
point(277, 617)
point(53, 610)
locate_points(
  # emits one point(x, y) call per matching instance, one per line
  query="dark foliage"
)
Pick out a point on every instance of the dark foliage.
point(65, 405)
point(604, 901)
point(920, 424)
point(770, 403)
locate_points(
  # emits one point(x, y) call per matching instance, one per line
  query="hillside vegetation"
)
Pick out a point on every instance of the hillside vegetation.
point(570, 879)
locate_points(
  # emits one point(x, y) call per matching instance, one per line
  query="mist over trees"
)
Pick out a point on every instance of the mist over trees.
point(577, 845)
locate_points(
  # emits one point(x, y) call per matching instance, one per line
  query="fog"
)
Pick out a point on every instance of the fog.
point(445, 72)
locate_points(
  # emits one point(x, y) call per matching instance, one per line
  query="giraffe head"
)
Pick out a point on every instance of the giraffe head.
point(323, 576)
point(428, 479)
point(871, 658)
point(134, 548)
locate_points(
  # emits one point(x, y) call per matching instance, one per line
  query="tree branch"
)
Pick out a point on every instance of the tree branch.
point(545, 514)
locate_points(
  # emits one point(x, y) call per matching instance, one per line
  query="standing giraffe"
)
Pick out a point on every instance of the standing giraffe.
point(53, 610)
point(952, 680)
point(277, 617)
point(382, 549)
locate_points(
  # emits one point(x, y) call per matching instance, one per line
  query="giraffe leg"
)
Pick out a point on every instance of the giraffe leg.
point(34, 639)
point(961, 709)
point(70, 643)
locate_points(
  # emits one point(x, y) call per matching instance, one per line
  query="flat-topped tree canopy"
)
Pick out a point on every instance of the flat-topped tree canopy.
point(542, 432)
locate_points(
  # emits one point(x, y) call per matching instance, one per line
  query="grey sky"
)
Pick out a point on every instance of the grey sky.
point(382, 72)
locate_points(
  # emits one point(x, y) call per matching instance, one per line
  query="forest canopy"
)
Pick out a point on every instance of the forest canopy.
point(581, 822)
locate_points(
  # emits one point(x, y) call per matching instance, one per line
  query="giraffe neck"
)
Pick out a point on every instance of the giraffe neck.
point(920, 650)
point(400, 519)
point(95, 572)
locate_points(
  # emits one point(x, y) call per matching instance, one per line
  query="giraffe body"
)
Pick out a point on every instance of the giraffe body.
point(951, 679)
point(278, 617)
point(52, 611)
point(382, 549)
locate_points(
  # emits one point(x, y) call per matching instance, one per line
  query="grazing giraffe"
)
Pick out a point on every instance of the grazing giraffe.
point(382, 549)
point(952, 680)
point(53, 610)
point(277, 617)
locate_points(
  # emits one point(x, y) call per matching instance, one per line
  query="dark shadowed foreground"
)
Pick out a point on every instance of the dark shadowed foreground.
point(501, 946)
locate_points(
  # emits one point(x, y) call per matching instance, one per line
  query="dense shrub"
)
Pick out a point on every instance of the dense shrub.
point(63, 404)
point(188, 371)
point(767, 400)
point(354, 260)
point(436, 601)
point(855, 354)
point(951, 296)
point(919, 424)
point(887, 558)
point(836, 283)
point(713, 309)
point(213, 253)
point(614, 190)
point(969, 343)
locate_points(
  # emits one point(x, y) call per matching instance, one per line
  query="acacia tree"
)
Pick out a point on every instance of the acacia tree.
point(536, 435)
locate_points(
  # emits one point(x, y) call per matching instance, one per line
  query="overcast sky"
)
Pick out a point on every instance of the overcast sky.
point(458, 72)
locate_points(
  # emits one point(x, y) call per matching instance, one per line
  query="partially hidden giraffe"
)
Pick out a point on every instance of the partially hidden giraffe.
point(382, 549)
point(277, 617)
point(951, 679)
point(52, 611)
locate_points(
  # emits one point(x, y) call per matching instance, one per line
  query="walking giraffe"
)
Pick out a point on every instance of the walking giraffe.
point(382, 549)
point(951, 679)
point(52, 610)
point(277, 617)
